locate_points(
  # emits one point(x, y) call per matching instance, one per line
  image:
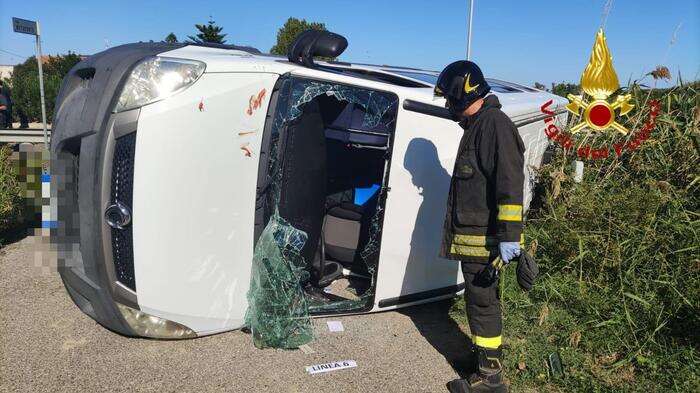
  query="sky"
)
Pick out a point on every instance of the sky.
point(520, 41)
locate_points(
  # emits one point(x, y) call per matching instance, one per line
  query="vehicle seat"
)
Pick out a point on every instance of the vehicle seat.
point(341, 231)
point(303, 183)
point(346, 232)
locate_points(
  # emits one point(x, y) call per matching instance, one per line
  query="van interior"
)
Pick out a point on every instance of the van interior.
point(332, 159)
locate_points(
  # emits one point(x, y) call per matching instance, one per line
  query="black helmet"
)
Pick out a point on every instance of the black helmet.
point(461, 83)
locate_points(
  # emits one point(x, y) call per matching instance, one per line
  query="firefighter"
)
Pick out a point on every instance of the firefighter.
point(483, 224)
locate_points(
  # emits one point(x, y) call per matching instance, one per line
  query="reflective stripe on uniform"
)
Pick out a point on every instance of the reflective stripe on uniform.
point(477, 245)
point(510, 212)
point(474, 245)
point(487, 342)
point(475, 240)
point(470, 251)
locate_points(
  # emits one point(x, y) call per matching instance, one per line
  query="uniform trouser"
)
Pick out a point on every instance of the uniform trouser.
point(483, 302)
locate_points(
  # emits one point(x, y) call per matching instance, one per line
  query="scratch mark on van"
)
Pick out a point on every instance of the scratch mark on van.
point(255, 102)
point(247, 151)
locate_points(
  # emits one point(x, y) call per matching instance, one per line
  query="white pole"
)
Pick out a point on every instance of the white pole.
point(578, 171)
point(469, 32)
point(41, 86)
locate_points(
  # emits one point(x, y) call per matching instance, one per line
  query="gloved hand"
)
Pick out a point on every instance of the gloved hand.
point(509, 250)
point(527, 271)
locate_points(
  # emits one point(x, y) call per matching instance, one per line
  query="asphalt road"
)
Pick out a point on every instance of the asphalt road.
point(47, 344)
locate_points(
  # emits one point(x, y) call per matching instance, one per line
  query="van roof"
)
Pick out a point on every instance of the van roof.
point(516, 99)
point(395, 75)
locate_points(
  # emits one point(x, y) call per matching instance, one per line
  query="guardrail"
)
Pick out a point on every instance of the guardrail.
point(22, 136)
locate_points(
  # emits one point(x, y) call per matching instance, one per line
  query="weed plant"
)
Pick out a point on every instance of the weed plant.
point(619, 254)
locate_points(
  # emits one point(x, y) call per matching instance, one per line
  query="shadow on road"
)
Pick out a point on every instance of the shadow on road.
point(442, 332)
point(15, 233)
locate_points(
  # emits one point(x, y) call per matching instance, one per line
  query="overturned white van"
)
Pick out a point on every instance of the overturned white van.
point(172, 158)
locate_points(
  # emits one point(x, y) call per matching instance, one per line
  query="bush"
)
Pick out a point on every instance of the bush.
point(619, 253)
point(289, 32)
point(25, 84)
point(564, 89)
point(10, 195)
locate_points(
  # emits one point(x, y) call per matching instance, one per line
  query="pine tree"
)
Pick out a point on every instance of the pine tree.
point(291, 29)
point(208, 33)
point(171, 38)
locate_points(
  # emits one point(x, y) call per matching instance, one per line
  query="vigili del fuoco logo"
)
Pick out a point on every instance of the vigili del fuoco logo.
point(600, 109)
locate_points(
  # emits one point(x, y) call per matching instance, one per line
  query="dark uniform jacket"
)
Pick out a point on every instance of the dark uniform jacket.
point(485, 204)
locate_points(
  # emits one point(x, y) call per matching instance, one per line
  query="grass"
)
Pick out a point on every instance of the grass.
point(10, 196)
point(619, 292)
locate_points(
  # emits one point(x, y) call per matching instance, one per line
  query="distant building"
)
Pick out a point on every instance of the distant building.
point(6, 70)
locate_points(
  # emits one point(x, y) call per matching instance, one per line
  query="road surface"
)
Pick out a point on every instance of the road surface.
point(47, 344)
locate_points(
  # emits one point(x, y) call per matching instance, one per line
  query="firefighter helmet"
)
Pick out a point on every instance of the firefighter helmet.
point(461, 83)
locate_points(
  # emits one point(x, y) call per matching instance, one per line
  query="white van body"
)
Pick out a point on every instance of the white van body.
point(195, 178)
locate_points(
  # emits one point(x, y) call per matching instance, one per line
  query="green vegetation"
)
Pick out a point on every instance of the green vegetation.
point(291, 29)
point(10, 195)
point(564, 89)
point(619, 292)
point(207, 33)
point(171, 38)
point(25, 84)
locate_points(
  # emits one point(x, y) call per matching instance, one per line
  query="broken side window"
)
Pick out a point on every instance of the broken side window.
point(278, 310)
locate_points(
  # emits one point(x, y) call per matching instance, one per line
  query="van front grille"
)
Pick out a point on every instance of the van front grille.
point(122, 191)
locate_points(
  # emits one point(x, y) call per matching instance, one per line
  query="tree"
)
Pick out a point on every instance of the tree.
point(563, 89)
point(540, 86)
point(171, 38)
point(25, 84)
point(208, 33)
point(289, 31)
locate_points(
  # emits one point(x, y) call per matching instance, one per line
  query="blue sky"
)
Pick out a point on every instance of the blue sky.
point(522, 41)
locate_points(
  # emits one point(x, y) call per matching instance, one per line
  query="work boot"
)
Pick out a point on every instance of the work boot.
point(489, 377)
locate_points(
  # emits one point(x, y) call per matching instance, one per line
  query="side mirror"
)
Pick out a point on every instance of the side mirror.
point(316, 43)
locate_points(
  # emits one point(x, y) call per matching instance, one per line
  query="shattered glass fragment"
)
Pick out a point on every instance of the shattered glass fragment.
point(342, 305)
point(369, 252)
point(278, 313)
point(375, 105)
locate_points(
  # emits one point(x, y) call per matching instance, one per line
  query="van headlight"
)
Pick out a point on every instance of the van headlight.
point(156, 78)
point(146, 325)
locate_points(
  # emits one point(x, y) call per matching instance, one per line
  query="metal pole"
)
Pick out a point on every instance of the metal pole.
point(41, 85)
point(469, 32)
